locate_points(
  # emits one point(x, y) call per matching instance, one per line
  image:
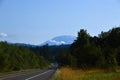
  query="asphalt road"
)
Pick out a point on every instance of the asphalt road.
point(45, 74)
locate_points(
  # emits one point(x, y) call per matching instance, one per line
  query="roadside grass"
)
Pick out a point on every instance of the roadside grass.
point(92, 74)
point(56, 76)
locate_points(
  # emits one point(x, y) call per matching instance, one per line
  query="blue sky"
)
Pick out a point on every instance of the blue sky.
point(35, 21)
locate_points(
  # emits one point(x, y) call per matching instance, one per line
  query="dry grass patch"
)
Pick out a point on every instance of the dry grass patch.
point(92, 74)
point(2, 79)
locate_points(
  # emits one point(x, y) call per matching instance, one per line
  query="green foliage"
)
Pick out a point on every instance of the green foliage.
point(102, 51)
point(14, 57)
point(85, 52)
point(66, 58)
point(50, 53)
point(99, 76)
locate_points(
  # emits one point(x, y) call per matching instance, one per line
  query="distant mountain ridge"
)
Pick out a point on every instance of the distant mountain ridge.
point(22, 44)
point(59, 40)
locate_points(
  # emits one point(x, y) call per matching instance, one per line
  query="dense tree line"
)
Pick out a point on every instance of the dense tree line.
point(101, 51)
point(50, 53)
point(14, 57)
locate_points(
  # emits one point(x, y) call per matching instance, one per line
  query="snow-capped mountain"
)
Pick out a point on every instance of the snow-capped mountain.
point(60, 40)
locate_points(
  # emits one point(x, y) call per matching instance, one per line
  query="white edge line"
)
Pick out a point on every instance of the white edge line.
point(37, 75)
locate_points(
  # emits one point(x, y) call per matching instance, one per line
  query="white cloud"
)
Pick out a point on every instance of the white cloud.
point(62, 42)
point(53, 41)
point(57, 42)
point(3, 35)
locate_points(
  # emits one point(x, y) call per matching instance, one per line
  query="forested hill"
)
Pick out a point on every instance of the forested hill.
point(101, 51)
point(14, 57)
point(20, 57)
point(51, 53)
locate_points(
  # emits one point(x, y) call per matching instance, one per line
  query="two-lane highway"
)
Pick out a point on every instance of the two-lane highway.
point(45, 74)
